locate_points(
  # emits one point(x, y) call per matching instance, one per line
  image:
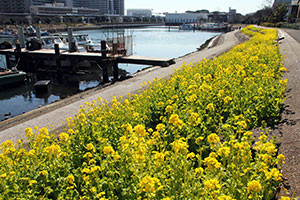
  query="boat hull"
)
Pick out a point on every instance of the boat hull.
point(12, 79)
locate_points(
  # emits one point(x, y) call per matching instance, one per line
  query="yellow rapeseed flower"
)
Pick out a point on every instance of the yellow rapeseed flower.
point(212, 163)
point(190, 155)
point(148, 184)
point(70, 179)
point(90, 147)
point(32, 182)
point(213, 139)
point(28, 132)
point(140, 130)
point(180, 145)
point(44, 173)
point(254, 186)
point(274, 174)
point(210, 107)
point(227, 99)
point(3, 175)
point(224, 197)
point(224, 151)
point(285, 198)
point(64, 137)
point(93, 190)
point(199, 170)
point(108, 150)
point(211, 184)
point(160, 127)
point(53, 149)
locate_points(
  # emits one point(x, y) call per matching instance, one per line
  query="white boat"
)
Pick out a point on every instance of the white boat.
point(80, 39)
point(48, 42)
point(9, 34)
point(213, 26)
point(31, 31)
point(188, 27)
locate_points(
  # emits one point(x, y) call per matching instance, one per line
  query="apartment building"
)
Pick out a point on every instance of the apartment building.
point(13, 6)
point(60, 9)
point(106, 7)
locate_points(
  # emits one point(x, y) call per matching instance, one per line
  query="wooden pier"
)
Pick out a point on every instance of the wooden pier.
point(31, 60)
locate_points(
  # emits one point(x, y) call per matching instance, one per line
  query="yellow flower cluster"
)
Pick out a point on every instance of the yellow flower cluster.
point(183, 138)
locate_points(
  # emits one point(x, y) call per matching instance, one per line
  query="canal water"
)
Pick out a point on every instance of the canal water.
point(163, 42)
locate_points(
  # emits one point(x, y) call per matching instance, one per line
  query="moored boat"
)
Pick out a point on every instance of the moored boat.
point(214, 26)
point(49, 41)
point(10, 78)
point(188, 27)
point(8, 34)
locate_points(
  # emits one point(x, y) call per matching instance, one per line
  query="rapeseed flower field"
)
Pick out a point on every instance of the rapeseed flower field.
point(187, 137)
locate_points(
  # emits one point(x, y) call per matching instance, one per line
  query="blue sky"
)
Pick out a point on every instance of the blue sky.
point(158, 6)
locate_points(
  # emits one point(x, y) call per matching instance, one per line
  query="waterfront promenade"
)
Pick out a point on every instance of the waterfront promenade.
point(55, 114)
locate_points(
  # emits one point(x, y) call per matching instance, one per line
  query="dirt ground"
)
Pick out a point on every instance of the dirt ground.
point(288, 130)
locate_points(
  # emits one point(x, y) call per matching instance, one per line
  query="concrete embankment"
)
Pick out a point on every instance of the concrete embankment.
point(56, 113)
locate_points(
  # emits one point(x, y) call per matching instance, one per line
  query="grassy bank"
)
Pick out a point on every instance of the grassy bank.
point(183, 138)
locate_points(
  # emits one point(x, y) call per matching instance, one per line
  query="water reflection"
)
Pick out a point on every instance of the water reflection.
point(24, 98)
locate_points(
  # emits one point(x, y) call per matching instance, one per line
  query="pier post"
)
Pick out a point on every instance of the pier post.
point(7, 61)
point(103, 48)
point(105, 63)
point(104, 66)
point(18, 54)
point(116, 71)
point(21, 36)
point(70, 38)
point(38, 32)
point(18, 51)
point(57, 59)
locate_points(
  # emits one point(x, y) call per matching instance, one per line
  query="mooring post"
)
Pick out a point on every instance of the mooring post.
point(38, 32)
point(57, 59)
point(21, 36)
point(103, 48)
point(104, 67)
point(70, 38)
point(116, 71)
point(7, 61)
point(18, 52)
point(74, 65)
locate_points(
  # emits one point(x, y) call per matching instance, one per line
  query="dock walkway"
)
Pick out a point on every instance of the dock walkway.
point(13, 129)
point(32, 60)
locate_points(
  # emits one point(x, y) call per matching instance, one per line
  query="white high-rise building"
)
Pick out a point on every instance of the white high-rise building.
point(139, 12)
point(185, 18)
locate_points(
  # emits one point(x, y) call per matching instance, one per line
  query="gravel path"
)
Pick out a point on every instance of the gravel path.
point(293, 33)
point(288, 132)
